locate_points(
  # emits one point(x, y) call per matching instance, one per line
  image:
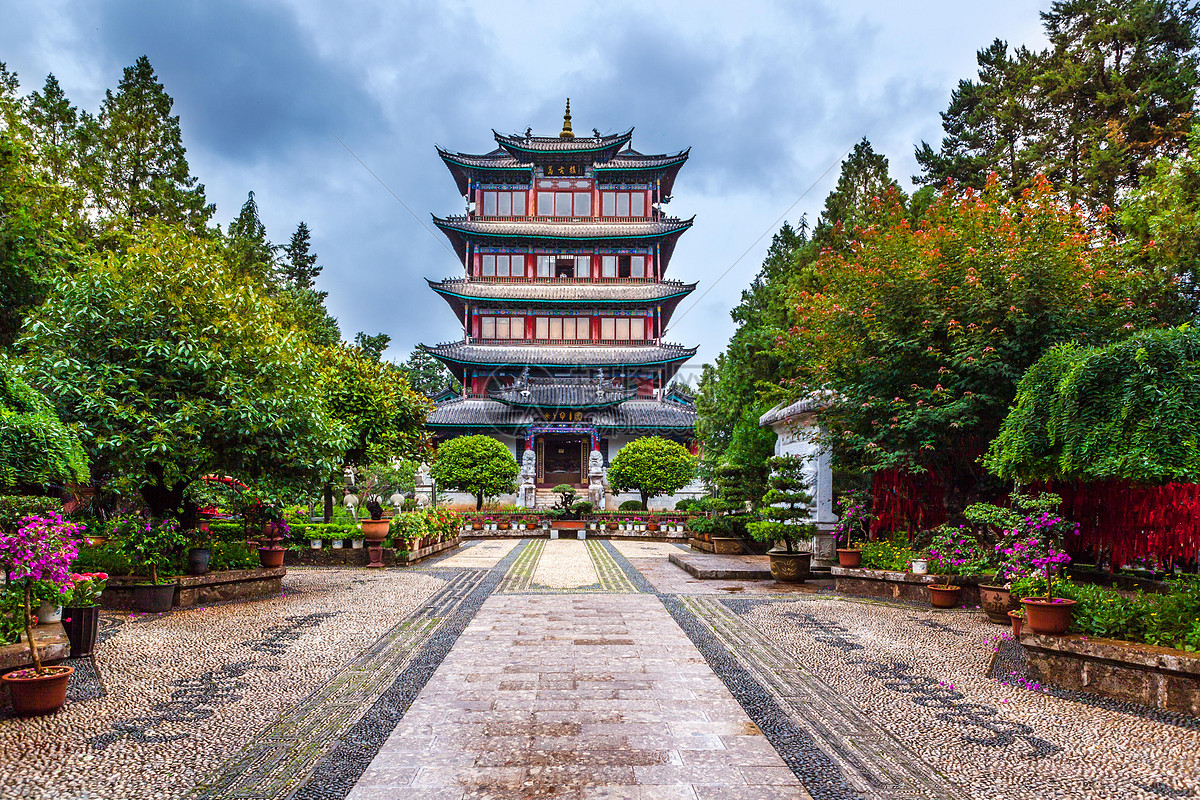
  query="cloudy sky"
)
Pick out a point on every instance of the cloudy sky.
point(769, 96)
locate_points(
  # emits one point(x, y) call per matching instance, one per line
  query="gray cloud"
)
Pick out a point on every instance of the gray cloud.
point(768, 94)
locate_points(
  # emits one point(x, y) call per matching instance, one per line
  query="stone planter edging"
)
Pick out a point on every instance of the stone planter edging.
point(193, 590)
point(53, 647)
point(426, 552)
point(895, 585)
point(1158, 677)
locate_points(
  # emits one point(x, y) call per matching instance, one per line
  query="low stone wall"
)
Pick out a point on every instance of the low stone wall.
point(359, 557)
point(194, 590)
point(565, 533)
point(1138, 673)
point(900, 585)
point(335, 557)
point(53, 647)
point(427, 552)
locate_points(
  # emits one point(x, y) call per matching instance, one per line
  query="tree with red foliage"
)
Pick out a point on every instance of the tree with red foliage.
point(920, 332)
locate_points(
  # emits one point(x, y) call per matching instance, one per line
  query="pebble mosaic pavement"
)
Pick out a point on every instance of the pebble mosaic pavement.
point(576, 669)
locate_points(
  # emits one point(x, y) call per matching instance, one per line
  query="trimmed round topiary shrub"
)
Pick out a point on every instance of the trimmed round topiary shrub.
point(632, 505)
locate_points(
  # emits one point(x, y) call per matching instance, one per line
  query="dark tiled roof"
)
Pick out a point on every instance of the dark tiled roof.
point(786, 411)
point(631, 416)
point(562, 395)
point(563, 292)
point(629, 160)
point(555, 144)
point(566, 229)
point(559, 355)
point(460, 230)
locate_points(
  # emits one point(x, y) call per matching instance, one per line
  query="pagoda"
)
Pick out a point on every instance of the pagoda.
point(563, 304)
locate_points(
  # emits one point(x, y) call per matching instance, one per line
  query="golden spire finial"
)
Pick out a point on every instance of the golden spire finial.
point(567, 133)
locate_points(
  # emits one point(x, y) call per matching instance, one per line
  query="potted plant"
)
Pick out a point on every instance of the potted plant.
point(338, 543)
point(854, 519)
point(49, 598)
point(315, 544)
point(200, 554)
point(611, 525)
point(40, 549)
point(357, 544)
point(1049, 615)
point(920, 564)
point(1016, 618)
point(152, 544)
point(81, 615)
point(270, 549)
point(375, 530)
point(786, 507)
point(948, 551)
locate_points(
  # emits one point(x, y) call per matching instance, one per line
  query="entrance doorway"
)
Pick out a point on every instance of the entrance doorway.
point(562, 459)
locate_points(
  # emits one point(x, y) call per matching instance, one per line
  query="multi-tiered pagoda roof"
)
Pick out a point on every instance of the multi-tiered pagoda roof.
point(565, 245)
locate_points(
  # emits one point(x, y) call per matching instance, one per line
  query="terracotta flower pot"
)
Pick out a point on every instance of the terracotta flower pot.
point(849, 557)
point(652, 526)
point(81, 624)
point(376, 530)
point(33, 694)
point(1015, 618)
point(612, 526)
point(476, 526)
point(271, 556)
point(1051, 617)
point(997, 602)
point(944, 596)
point(789, 567)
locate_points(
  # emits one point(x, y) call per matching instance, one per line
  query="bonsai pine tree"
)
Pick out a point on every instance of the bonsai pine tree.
point(478, 465)
point(786, 505)
point(651, 466)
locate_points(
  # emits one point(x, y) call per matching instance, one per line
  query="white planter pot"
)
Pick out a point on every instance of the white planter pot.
point(920, 566)
point(641, 528)
point(49, 613)
point(338, 544)
point(582, 534)
point(356, 544)
point(553, 534)
point(315, 544)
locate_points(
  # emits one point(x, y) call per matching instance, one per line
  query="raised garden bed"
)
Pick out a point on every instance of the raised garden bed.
point(413, 557)
point(718, 545)
point(901, 585)
point(194, 590)
point(350, 557)
point(53, 646)
point(1158, 677)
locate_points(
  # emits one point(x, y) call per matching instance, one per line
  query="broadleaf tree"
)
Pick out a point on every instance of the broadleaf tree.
point(651, 466)
point(174, 368)
point(478, 465)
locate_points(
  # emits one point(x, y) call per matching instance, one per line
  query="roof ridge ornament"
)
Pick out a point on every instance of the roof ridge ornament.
point(567, 133)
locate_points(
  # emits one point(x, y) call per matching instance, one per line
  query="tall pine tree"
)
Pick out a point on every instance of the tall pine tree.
point(137, 167)
point(1114, 92)
point(300, 266)
point(864, 178)
point(250, 251)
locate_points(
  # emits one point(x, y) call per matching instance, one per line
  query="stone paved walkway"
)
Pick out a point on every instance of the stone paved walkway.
point(514, 669)
point(584, 696)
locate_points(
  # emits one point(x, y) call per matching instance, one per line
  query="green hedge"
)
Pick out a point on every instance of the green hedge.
point(36, 448)
point(1129, 411)
point(14, 507)
point(1165, 620)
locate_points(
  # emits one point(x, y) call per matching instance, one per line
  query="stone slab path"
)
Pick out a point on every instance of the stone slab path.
point(576, 696)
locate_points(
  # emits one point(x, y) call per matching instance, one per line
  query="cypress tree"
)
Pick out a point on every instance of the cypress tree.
point(137, 166)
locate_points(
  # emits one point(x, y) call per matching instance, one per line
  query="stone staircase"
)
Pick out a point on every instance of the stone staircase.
point(544, 499)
